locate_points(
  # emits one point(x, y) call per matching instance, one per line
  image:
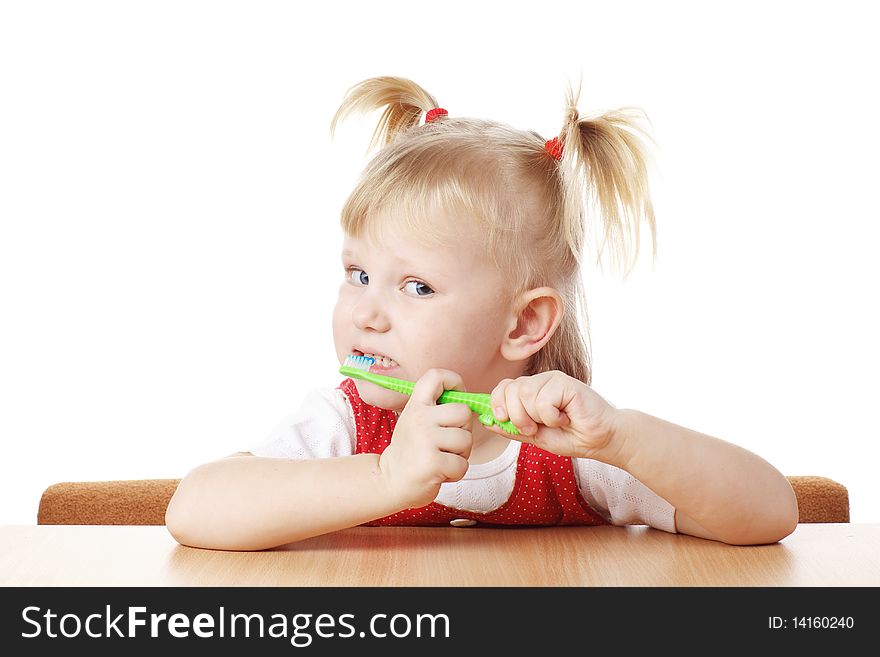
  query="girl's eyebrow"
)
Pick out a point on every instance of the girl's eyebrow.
point(430, 275)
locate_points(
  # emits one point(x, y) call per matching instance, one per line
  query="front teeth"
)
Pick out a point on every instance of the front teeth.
point(382, 361)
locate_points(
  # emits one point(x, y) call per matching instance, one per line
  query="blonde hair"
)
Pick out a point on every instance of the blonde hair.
point(531, 209)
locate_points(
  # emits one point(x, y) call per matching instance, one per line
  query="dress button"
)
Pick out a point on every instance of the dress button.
point(462, 522)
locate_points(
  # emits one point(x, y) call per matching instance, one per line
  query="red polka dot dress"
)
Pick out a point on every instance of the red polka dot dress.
point(545, 491)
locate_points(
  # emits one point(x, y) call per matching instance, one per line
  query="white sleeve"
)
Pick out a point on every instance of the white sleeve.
point(620, 497)
point(322, 428)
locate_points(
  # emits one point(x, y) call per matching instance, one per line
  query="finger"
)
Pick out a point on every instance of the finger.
point(547, 414)
point(452, 466)
point(517, 411)
point(432, 384)
point(451, 415)
point(455, 441)
point(497, 399)
point(548, 402)
point(528, 394)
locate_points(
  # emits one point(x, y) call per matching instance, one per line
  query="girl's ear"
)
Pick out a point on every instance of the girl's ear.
point(537, 318)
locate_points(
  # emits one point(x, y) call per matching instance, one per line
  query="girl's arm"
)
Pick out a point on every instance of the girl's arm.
point(245, 502)
point(719, 490)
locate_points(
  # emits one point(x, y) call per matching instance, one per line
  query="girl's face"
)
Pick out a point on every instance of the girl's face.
point(422, 307)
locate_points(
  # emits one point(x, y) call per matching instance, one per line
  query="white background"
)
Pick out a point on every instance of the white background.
point(170, 194)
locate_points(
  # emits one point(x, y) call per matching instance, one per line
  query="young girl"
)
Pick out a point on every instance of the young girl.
point(463, 241)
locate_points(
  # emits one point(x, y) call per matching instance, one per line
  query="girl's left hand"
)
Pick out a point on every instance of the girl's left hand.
point(556, 412)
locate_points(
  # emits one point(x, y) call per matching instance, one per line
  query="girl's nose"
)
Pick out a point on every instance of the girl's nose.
point(368, 313)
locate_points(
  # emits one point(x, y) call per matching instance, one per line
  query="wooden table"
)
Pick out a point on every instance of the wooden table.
point(72, 555)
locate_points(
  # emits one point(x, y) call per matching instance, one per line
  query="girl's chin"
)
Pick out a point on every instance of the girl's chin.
point(378, 396)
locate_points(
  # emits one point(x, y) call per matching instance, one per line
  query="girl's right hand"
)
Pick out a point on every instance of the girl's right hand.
point(431, 443)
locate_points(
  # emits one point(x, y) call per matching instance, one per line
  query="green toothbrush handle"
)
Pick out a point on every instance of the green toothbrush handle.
point(479, 402)
point(387, 382)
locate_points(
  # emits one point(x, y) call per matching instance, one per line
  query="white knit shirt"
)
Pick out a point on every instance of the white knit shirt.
point(324, 427)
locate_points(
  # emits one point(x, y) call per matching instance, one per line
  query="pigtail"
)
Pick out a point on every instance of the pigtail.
point(605, 164)
point(404, 102)
point(602, 167)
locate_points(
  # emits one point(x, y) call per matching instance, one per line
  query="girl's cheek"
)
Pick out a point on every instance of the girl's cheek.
point(345, 297)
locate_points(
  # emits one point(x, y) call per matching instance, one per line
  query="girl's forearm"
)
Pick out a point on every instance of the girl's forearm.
point(731, 492)
point(255, 503)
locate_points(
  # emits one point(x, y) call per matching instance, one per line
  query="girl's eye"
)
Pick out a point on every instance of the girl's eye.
point(358, 276)
point(419, 288)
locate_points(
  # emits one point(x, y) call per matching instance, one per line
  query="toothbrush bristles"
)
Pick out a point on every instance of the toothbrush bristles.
point(359, 362)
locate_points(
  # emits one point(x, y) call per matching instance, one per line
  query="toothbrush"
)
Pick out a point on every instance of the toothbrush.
point(479, 402)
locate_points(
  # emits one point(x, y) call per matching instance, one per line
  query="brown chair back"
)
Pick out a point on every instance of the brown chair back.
point(143, 501)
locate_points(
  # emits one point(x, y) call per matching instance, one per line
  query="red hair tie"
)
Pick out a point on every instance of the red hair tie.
point(434, 114)
point(554, 147)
